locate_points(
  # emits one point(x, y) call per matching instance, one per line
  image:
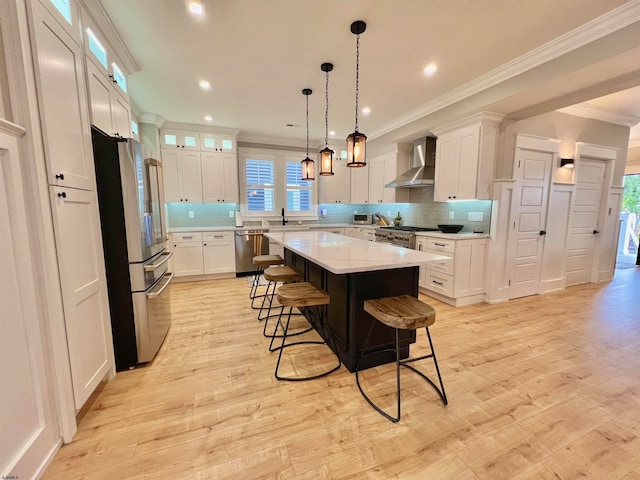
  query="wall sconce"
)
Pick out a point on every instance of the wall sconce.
point(566, 162)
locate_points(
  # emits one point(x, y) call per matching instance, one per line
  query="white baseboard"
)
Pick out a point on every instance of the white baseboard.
point(553, 285)
point(201, 278)
point(454, 302)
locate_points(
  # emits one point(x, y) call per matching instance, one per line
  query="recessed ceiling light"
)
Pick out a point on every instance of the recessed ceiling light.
point(430, 69)
point(204, 85)
point(332, 133)
point(208, 118)
point(366, 111)
point(196, 8)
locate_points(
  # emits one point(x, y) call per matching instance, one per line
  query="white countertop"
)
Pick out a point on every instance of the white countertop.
point(340, 254)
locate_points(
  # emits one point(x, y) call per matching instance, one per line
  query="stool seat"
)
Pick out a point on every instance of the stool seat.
point(404, 312)
point(267, 260)
point(301, 295)
point(282, 274)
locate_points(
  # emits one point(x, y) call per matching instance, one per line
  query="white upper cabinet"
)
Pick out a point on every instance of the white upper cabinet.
point(384, 169)
point(219, 177)
point(182, 174)
point(110, 112)
point(465, 158)
point(213, 142)
point(180, 139)
point(336, 188)
point(63, 103)
point(360, 185)
point(66, 14)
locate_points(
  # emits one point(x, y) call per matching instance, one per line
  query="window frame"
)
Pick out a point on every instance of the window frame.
point(280, 159)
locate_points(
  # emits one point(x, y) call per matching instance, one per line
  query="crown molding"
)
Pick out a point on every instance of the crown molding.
point(487, 118)
point(101, 18)
point(152, 119)
point(195, 127)
point(595, 29)
point(597, 113)
point(256, 139)
point(11, 128)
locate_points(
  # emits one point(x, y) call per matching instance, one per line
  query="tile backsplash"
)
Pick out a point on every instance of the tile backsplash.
point(421, 211)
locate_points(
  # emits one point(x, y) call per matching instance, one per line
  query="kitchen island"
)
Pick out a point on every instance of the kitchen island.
point(351, 271)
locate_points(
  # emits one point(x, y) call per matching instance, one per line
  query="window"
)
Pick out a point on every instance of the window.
point(119, 78)
point(96, 48)
point(271, 180)
point(299, 192)
point(260, 181)
point(134, 127)
point(64, 7)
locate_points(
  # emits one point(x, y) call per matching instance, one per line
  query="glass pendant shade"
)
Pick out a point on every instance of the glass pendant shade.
point(356, 150)
point(308, 169)
point(326, 161)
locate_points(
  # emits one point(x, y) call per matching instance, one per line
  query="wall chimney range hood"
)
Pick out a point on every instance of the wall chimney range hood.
point(423, 168)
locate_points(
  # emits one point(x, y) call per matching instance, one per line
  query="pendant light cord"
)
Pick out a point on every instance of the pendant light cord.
point(357, 74)
point(307, 126)
point(326, 111)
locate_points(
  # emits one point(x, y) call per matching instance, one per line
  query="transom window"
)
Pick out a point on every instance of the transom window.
point(64, 7)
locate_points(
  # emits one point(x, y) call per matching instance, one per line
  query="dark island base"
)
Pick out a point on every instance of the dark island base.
point(346, 324)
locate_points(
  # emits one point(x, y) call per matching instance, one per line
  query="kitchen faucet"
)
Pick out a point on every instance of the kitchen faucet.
point(283, 220)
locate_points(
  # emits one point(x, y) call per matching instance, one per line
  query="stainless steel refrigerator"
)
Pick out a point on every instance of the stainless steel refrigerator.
point(131, 203)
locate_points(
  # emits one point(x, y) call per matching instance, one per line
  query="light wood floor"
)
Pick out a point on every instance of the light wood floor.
point(541, 387)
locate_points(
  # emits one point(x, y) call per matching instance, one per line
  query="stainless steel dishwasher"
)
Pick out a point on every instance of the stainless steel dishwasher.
point(249, 243)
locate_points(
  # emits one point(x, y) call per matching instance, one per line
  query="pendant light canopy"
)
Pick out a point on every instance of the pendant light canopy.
point(326, 154)
point(356, 142)
point(307, 163)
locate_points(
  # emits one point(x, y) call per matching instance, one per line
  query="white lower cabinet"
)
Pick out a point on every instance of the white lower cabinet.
point(458, 280)
point(219, 252)
point(203, 253)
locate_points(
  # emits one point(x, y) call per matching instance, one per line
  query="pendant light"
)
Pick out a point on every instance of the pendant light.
point(307, 163)
point(356, 142)
point(326, 154)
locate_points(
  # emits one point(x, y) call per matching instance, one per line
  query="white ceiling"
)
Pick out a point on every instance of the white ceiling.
point(259, 55)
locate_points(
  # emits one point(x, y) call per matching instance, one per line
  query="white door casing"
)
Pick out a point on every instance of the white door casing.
point(528, 221)
point(30, 435)
point(584, 220)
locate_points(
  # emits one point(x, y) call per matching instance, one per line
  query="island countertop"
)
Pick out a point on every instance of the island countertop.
point(340, 254)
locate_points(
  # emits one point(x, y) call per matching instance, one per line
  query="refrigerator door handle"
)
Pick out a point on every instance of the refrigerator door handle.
point(157, 293)
point(155, 266)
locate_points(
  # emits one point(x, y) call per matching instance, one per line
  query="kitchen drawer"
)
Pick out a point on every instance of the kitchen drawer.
point(439, 282)
point(187, 237)
point(218, 238)
point(439, 245)
point(445, 266)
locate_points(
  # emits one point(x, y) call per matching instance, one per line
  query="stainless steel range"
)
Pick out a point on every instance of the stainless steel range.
point(400, 236)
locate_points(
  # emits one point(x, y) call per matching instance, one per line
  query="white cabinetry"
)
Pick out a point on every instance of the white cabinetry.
point(180, 139)
point(182, 172)
point(360, 185)
point(219, 177)
point(465, 158)
point(63, 104)
point(336, 188)
point(213, 142)
point(384, 169)
point(203, 253)
point(188, 257)
point(110, 110)
point(219, 252)
point(458, 280)
point(84, 294)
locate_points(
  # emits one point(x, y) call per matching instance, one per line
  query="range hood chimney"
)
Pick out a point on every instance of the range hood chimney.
point(423, 168)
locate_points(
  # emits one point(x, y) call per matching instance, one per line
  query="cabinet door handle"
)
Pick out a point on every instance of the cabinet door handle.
point(218, 236)
point(544, 232)
point(60, 176)
point(437, 283)
point(439, 244)
point(62, 195)
point(188, 238)
point(595, 232)
point(204, 244)
point(420, 247)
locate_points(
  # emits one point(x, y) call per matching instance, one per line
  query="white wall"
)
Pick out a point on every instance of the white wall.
point(633, 161)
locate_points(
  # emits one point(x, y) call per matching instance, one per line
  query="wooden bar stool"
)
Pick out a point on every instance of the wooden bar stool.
point(305, 297)
point(261, 262)
point(407, 313)
point(275, 275)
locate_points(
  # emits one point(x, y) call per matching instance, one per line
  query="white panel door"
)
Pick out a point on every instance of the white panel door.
point(121, 114)
point(528, 220)
point(212, 177)
point(188, 259)
point(63, 105)
point(99, 98)
point(171, 175)
point(376, 179)
point(190, 171)
point(467, 169)
point(28, 432)
point(360, 185)
point(584, 221)
point(218, 257)
point(230, 178)
point(84, 291)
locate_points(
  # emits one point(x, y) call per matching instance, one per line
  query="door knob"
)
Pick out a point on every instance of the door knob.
point(543, 232)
